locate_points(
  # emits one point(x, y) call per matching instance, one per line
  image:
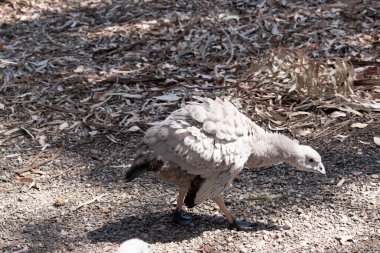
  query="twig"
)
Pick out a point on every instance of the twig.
point(132, 80)
point(63, 172)
point(51, 39)
point(36, 165)
point(367, 82)
point(365, 63)
point(25, 249)
point(6, 245)
point(209, 39)
point(216, 70)
point(325, 132)
point(10, 189)
point(27, 132)
point(32, 160)
point(209, 88)
point(88, 202)
point(61, 109)
point(231, 45)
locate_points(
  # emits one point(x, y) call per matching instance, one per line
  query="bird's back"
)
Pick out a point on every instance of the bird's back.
point(202, 136)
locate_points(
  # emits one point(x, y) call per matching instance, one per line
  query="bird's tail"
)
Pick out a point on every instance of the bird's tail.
point(145, 160)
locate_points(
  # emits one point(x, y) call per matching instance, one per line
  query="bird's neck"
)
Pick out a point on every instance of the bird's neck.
point(270, 149)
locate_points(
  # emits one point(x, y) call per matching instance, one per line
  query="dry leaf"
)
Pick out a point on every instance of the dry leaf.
point(134, 129)
point(341, 137)
point(93, 133)
point(229, 17)
point(170, 97)
point(356, 173)
point(9, 132)
point(63, 125)
point(337, 114)
point(340, 183)
point(303, 132)
point(376, 140)
point(206, 248)
point(59, 201)
point(79, 69)
point(359, 125)
point(42, 140)
point(23, 250)
point(267, 197)
point(168, 66)
point(25, 179)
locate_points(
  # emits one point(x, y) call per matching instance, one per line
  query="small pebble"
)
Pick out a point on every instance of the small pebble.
point(70, 247)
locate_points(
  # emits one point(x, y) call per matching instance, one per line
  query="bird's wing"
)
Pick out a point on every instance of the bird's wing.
point(221, 119)
point(202, 137)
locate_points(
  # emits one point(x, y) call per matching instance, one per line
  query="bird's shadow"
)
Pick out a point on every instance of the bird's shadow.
point(159, 227)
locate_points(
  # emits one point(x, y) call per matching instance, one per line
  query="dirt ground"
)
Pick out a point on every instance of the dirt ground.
point(82, 80)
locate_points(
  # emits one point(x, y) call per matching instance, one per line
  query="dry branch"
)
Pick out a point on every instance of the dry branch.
point(88, 202)
point(36, 165)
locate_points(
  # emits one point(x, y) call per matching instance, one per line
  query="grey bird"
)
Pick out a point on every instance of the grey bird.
point(203, 146)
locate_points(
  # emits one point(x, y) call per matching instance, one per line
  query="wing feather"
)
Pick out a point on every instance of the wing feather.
point(203, 138)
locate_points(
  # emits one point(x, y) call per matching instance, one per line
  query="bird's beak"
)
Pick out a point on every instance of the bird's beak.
point(321, 168)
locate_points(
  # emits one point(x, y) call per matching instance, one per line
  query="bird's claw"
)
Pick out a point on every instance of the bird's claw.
point(182, 219)
point(243, 225)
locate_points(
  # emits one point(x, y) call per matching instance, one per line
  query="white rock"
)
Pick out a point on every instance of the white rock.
point(134, 246)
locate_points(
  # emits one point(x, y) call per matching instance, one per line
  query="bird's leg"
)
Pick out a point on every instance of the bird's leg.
point(179, 216)
point(233, 223)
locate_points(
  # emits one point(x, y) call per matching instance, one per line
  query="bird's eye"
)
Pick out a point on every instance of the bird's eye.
point(311, 160)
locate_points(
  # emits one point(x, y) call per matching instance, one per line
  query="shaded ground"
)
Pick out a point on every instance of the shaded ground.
point(79, 85)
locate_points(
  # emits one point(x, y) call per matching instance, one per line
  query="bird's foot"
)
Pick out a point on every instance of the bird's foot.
point(179, 217)
point(243, 225)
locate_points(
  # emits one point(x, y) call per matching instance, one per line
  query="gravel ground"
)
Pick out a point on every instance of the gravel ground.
point(315, 213)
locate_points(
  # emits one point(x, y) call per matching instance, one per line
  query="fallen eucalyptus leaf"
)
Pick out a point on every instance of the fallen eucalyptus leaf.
point(170, 97)
point(356, 173)
point(59, 201)
point(341, 137)
point(25, 179)
point(63, 125)
point(168, 66)
point(340, 183)
point(134, 129)
point(79, 69)
point(42, 140)
point(229, 17)
point(359, 125)
point(267, 197)
point(337, 114)
point(93, 133)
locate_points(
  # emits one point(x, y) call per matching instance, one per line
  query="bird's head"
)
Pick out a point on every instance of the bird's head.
point(307, 159)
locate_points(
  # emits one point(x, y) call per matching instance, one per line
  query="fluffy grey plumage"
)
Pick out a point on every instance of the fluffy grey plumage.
point(210, 141)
